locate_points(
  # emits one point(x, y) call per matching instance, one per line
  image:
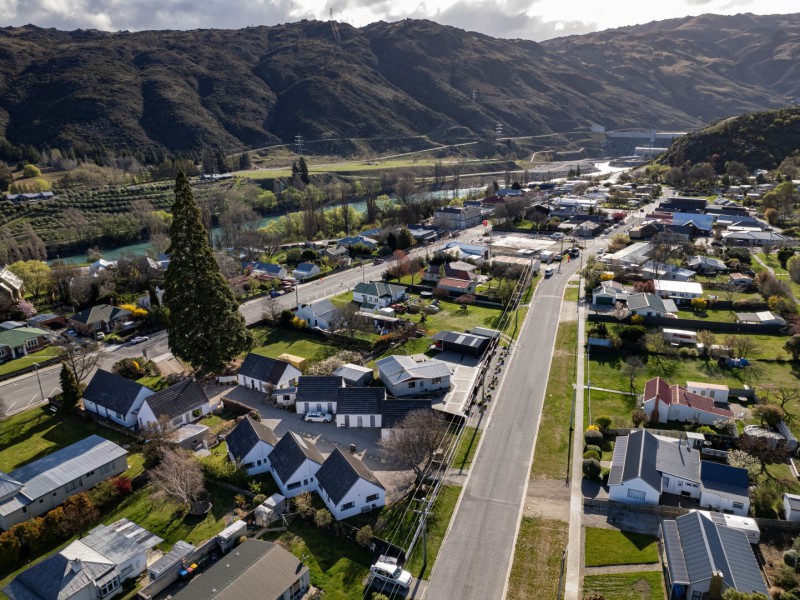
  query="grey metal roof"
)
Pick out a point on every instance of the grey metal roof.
point(179, 551)
point(112, 391)
point(395, 411)
point(57, 578)
point(677, 458)
point(378, 288)
point(399, 368)
point(177, 399)
point(340, 472)
point(794, 501)
point(643, 300)
point(724, 480)
point(352, 374)
point(360, 400)
point(247, 433)
point(8, 485)
point(636, 459)
point(462, 339)
point(708, 546)
point(59, 468)
point(290, 453)
point(101, 312)
point(678, 573)
point(120, 541)
point(318, 389)
point(255, 569)
point(322, 309)
point(263, 368)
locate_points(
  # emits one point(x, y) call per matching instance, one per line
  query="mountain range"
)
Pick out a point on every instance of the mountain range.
point(248, 88)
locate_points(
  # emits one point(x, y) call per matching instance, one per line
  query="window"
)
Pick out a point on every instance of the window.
point(348, 505)
point(412, 384)
point(177, 420)
point(666, 481)
point(293, 485)
point(108, 467)
point(90, 473)
point(372, 497)
point(247, 465)
point(24, 509)
point(305, 481)
point(636, 494)
point(436, 380)
point(739, 505)
point(74, 485)
point(32, 343)
point(258, 462)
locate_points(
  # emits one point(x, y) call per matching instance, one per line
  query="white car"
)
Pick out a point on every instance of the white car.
point(318, 417)
point(548, 272)
point(388, 573)
point(139, 339)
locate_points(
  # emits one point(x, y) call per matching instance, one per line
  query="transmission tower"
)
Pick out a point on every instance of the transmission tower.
point(474, 96)
point(298, 144)
point(335, 30)
point(498, 130)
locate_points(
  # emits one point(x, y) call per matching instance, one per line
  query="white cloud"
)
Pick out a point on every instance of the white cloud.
point(532, 19)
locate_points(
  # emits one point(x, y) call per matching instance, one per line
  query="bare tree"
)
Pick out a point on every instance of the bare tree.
point(272, 307)
point(80, 356)
point(155, 438)
point(348, 317)
point(414, 440)
point(707, 338)
point(179, 476)
point(741, 345)
point(632, 368)
point(782, 395)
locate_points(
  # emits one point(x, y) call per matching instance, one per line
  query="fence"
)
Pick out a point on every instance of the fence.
point(31, 368)
point(170, 577)
point(695, 325)
point(606, 506)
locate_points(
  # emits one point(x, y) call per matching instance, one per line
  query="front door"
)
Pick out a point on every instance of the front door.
point(347, 420)
point(372, 420)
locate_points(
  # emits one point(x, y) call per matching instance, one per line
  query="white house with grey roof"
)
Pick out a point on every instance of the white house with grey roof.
point(295, 463)
point(413, 375)
point(250, 444)
point(378, 294)
point(360, 406)
point(183, 402)
point(651, 305)
point(320, 314)
point(92, 567)
point(317, 393)
point(39, 486)
point(259, 371)
point(115, 397)
point(702, 555)
point(348, 487)
point(791, 507)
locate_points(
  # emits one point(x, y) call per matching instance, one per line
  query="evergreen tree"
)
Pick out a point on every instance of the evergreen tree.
point(391, 241)
point(302, 167)
point(70, 390)
point(205, 325)
point(405, 239)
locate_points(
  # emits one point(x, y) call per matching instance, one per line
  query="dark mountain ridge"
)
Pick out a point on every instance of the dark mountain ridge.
point(233, 89)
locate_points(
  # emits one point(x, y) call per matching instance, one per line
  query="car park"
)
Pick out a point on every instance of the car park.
point(318, 417)
point(138, 339)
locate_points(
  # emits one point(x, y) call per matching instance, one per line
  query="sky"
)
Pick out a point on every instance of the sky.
point(527, 19)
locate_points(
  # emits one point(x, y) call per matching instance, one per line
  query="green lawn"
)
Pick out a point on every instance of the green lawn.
point(466, 449)
point(626, 586)
point(537, 559)
point(274, 342)
point(724, 316)
point(571, 293)
point(550, 458)
point(611, 547)
point(616, 406)
point(437, 527)
point(35, 433)
point(27, 361)
point(154, 383)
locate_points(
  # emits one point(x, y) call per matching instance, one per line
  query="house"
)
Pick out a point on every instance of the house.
point(94, 566)
point(703, 558)
point(716, 391)
point(683, 204)
point(355, 375)
point(700, 225)
point(100, 265)
point(752, 238)
point(320, 314)
point(317, 394)
point(608, 293)
point(8, 325)
point(41, 485)
point(665, 271)
point(706, 265)
point(413, 375)
point(348, 487)
point(257, 372)
point(791, 507)
point(20, 341)
point(305, 270)
point(761, 318)
point(724, 488)
point(460, 251)
point(295, 463)
point(395, 410)
point(457, 286)
point(378, 293)
point(335, 253)
point(740, 280)
point(664, 403)
point(453, 270)
point(257, 569)
point(360, 406)
point(650, 305)
point(249, 444)
point(29, 197)
point(102, 317)
point(678, 290)
point(183, 402)
point(268, 269)
point(49, 320)
point(632, 256)
point(461, 343)
point(10, 285)
point(458, 217)
point(115, 398)
point(146, 301)
point(355, 240)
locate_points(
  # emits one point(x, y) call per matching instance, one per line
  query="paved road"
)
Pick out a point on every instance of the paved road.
point(474, 559)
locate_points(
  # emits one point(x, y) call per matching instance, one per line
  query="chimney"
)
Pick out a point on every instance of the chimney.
point(77, 566)
point(715, 589)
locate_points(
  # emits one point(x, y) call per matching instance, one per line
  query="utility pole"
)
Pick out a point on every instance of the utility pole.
point(36, 366)
point(424, 512)
point(297, 295)
point(562, 254)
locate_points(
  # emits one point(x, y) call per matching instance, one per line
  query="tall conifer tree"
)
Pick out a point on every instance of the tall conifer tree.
point(205, 325)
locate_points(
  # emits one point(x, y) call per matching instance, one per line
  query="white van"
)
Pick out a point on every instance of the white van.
point(548, 272)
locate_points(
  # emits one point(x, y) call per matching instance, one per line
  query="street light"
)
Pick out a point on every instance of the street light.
point(36, 366)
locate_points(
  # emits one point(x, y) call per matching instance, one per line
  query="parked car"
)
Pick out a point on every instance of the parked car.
point(377, 261)
point(138, 339)
point(548, 272)
point(388, 573)
point(275, 294)
point(318, 417)
point(99, 336)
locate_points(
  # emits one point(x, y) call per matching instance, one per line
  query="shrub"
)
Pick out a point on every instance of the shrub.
point(364, 536)
point(223, 470)
point(604, 475)
point(591, 468)
point(303, 505)
point(240, 501)
point(594, 448)
point(687, 353)
point(603, 422)
point(791, 557)
point(258, 499)
point(592, 454)
point(323, 518)
point(699, 304)
point(31, 171)
point(632, 334)
point(784, 577)
point(791, 594)
point(135, 368)
point(637, 319)
point(593, 437)
point(594, 596)
point(638, 416)
point(706, 429)
point(379, 596)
